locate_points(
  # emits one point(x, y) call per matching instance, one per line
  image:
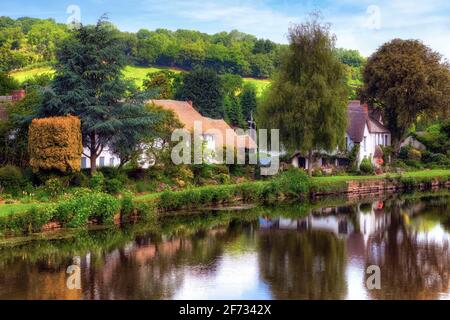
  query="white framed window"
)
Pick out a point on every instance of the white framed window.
point(365, 144)
point(102, 161)
point(83, 163)
point(112, 161)
point(385, 139)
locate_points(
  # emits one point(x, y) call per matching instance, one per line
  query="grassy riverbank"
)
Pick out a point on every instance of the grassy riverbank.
point(87, 207)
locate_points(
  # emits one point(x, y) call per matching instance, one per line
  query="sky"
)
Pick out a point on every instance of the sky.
point(358, 24)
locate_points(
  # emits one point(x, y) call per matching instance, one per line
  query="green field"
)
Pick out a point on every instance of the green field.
point(137, 74)
point(6, 209)
point(23, 75)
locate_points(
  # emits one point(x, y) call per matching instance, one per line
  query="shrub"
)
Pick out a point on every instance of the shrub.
point(78, 179)
point(293, 182)
point(404, 151)
point(55, 143)
point(223, 178)
point(113, 186)
point(366, 166)
point(137, 173)
point(126, 204)
point(11, 179)
point(85, 205)
point(97, 181)
point(414, 154)
point(54, 187)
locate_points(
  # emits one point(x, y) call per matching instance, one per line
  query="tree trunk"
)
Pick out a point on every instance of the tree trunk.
point(310, 162)
point(93, 153)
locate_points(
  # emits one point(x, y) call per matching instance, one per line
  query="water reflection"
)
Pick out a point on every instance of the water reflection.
point(288, 252)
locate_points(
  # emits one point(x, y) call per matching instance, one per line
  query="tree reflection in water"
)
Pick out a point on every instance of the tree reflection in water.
point(303, 265)
point(298, 253)
point(415, 263)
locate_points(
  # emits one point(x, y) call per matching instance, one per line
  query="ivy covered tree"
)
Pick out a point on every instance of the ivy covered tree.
point(204, 88)
point(88, 84)
point(406, 79)
point(307, 100)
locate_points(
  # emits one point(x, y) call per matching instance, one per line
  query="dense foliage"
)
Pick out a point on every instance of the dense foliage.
point(88, 85)
point(204, 88)
point(55, 144)
point(406, 79)
point(307, 101)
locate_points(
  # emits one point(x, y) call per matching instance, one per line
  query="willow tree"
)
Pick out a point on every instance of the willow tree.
point(307, 100)
point(88, 84)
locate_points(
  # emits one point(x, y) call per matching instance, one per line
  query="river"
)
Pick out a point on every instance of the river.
point(322, 250)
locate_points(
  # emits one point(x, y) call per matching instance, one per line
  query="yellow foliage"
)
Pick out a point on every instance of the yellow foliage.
point(55, 143)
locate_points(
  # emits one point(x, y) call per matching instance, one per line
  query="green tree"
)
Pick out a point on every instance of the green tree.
point(307, 100)
point(161, 81)
point(248, 101)
point(350, 57)
point(88, 84)
point(233, 111)
point(204, 88)
point(7, 84)
point(406, 79)
point(231, 84)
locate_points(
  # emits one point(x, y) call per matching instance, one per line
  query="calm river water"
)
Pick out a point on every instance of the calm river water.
point(299, 251)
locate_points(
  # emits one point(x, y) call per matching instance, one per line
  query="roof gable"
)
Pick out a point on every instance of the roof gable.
point(188, 116)
point(358, 118)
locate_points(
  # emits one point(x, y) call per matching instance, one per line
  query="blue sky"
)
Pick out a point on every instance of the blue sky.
point(358, 24)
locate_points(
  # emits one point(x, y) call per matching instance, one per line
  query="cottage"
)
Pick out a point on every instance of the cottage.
point(214, 133)
point(364, 129)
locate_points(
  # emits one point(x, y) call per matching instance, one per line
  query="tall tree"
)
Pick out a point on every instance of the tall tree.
point(204, 88)
point(406, 79)
point(307, 100)
point(233, 111)
point(88, 84)
point(248, 101)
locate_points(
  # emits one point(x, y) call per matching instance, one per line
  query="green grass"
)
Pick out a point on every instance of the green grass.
point(6, 209)
point(134, 73)
point(138, 74)
point(260, 84)
point(23, 75)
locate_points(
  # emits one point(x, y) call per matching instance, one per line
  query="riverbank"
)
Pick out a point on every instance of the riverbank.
point(87, 208)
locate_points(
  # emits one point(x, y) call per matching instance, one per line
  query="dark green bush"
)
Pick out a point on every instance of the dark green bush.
point(11, 179)
point(97, 181)
point(137, 173)
point(113, 186)
point(78, 179)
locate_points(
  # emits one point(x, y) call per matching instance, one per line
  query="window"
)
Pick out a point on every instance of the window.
point(102, 161)
point(111, 161)
point(346, 143)
point(83, 163)
point(385, 139)
point(365, 144)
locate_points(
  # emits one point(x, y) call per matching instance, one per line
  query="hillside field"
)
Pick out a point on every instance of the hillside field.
point(137, 74)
